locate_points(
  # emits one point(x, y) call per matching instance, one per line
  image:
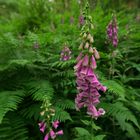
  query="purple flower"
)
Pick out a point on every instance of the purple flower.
point(46, 137)
point(36, 45)
point(85, 60)
point(94, 112)
point(55, 124)
point(93, 62)
point(65, 54)
point(112, 32)
point(101, 111)
point(81, 20)
point(79, 57)
point(88, 86)
point(54, 134)
point(60, 132)
point(42, 126)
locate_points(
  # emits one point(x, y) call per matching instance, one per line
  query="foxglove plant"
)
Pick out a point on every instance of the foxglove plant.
point(81, 20)
point(88, 85)
point(65, 54)
point(112, 32)
point(45, 126)
point(36, 45)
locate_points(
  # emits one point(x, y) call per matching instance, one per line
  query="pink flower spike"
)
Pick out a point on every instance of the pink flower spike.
point(52, 134)
point(46, 137)
point(60, 132)
point(55, 124)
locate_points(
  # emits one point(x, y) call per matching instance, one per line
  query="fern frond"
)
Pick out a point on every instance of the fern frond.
point(65, 104)
point(31, 112)
point(115, 88)
point(9, 101)
point(13, 128)
point(67, 73)
point(61, 115)
point(63, 64)
point(123, 116)
point(39, 89)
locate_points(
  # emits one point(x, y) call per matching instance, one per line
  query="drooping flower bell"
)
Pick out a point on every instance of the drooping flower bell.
point(65, 54)
point(112, 32)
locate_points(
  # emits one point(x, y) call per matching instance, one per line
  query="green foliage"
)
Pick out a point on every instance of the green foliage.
point(124, 118)
point(9, 101)
point(39, 89)
point(13, 127)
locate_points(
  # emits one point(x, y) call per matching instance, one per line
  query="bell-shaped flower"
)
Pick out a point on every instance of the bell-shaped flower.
point(85, 60)
point(55, 124)
point(42, 126)
point(96, 54)
point(60, 132)
point(101, 111)
point(84, 71)
point(46, 137)
point(93, 62)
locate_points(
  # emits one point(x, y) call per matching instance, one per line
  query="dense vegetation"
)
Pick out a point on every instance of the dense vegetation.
point(32, 35)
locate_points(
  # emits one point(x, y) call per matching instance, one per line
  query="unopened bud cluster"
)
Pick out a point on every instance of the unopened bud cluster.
point(47, 109)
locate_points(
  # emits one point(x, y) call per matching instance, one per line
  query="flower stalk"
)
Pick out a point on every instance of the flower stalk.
point(88, 85)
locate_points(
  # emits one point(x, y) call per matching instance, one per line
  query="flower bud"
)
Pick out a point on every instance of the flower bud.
point(85, 60)
point(85, 35)
point(92, 27)
point(42, 113)
point(91, 39)
point(96, 54)
point(52, 114)
point(81, 46)
point(52, 110)
point(87, 45)
point(89, 36)
point(91, 50)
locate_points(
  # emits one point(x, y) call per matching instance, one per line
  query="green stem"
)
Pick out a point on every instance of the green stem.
point(92, 127)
